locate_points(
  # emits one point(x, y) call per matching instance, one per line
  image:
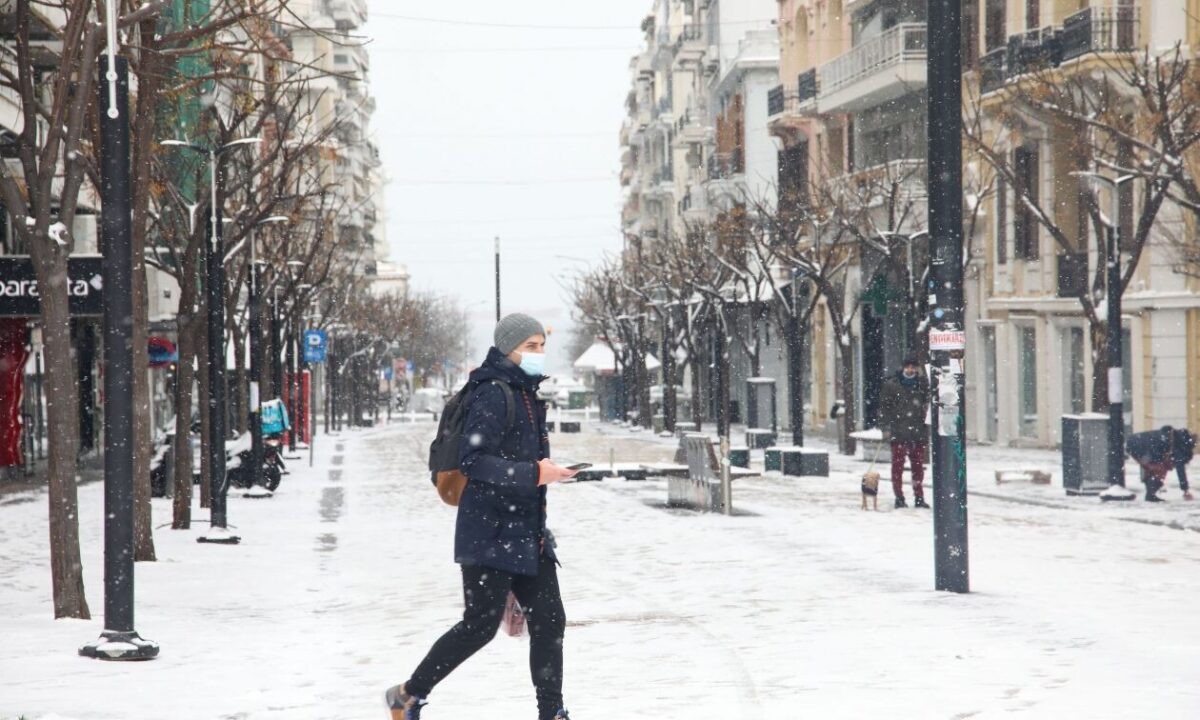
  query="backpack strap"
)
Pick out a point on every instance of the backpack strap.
point(510, 405)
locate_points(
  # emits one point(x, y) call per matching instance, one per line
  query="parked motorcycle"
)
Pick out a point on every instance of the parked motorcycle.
point(238, 469)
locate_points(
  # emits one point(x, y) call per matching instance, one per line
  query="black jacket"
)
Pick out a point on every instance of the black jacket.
point(902, 408)
point(1174, 446)
point(502, 513)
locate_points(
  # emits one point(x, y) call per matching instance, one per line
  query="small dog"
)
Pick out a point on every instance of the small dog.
point(870, 488)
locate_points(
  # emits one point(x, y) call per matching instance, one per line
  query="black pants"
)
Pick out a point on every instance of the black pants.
point(485, 591)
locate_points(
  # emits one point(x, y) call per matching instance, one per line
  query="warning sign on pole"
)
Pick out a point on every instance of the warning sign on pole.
point(947, 340)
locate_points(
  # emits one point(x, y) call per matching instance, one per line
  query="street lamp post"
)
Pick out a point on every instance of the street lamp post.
point(215, 264)
point(119, 640)
point(1116, 395)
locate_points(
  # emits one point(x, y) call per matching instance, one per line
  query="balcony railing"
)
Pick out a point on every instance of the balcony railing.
point(725, 165)
point(1100, 29)
point(906, 41)
point(991, 70)
point(1033, 50)
point(775, 100)
point(1095, 29)
point(663, 107)
point(807, 85)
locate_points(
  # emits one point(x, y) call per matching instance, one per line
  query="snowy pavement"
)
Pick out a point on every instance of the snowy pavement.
point(801, 607)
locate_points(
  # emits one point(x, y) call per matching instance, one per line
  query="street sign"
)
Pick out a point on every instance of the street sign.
point(947, 340)
point(315, 344)
point(19, 286)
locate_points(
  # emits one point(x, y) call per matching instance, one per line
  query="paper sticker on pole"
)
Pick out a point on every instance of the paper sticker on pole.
point(1116, 390)
point(947, 340)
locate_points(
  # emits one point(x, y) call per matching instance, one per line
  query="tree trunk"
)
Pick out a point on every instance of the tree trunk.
point(849, 415)
point(143, 430)
point(1098, 335)
point(242, 379)
point(185, 375)
point(202, 371)
point(793, 337)
point(62, 417)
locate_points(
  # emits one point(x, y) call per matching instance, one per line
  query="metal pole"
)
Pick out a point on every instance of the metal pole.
point(497, 278)
point(218, 530)
point(1116, 399)
point(946, 291)
point(119, 640)
point(256, 368)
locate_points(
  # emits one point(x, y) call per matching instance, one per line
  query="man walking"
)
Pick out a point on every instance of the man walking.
point(902, 412)
point(500, 539)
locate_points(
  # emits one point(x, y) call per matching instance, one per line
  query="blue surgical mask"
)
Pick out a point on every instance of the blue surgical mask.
point(533, 363)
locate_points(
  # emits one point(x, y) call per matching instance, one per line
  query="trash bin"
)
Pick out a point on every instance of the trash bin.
point(1085, 453)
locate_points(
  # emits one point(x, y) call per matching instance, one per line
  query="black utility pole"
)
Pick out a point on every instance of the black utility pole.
point(947, 316)
point(119, 640)
point(292, 393)
point(1116, 399)
point(218, 530)
point(497, 278)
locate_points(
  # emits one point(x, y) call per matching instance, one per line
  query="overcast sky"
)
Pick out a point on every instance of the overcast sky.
point(487, 129)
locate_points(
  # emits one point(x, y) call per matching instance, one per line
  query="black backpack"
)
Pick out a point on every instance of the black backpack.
point(443, 451)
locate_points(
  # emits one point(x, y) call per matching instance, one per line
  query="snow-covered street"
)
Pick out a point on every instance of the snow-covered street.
point(801, 606)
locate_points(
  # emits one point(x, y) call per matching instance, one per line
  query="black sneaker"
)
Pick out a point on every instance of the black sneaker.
point(900, 502)
point(1154, 498)
point(561, 714)
point(402, 705)
point(920, 503)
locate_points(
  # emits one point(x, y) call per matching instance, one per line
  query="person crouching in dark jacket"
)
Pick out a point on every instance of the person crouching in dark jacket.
point(500, 538)
point(902, 408)
point(1160, 451)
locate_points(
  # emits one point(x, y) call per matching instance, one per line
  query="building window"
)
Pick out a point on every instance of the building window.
point(995, 19)
point(970, 34)
point(1027, 380)
point(1033, 14)
point(1025, 224)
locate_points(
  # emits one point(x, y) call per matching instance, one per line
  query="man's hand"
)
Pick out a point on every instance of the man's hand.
point(548, 472)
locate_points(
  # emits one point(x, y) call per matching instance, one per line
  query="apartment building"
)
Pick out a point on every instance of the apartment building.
point(338, 94)
point(1034, 361)
point(694, 146)
point(849, 119)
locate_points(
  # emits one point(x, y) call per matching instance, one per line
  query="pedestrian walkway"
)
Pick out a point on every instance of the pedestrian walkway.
point(805, 606)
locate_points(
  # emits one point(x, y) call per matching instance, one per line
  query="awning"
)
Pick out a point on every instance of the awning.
point(599, 359)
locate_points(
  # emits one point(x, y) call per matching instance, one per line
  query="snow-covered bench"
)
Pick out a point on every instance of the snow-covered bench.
point(701, 488)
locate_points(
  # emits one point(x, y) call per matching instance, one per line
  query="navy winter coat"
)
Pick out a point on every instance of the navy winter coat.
point(502, 513)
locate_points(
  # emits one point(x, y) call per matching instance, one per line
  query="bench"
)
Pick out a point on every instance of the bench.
point(796, 461)
point(701, 488)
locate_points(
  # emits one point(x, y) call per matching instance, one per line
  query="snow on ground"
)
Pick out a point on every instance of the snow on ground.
point(801, 606)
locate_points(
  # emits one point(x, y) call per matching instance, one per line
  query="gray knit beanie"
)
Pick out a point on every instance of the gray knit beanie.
point(513, 330)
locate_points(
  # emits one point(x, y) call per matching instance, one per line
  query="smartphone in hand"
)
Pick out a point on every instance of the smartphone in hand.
point(579, 466)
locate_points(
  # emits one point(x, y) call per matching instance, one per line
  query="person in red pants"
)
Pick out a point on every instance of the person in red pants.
point(903, 407)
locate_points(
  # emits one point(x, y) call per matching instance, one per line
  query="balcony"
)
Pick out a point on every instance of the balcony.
point(691, 43)
point(348, 13)
point(689, 128)
point(1100, 29)
point(722, 166)
point(877, 70)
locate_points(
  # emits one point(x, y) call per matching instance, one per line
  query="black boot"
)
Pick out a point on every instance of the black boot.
point(919, 502)
point(900, 502)
point(1151, 497)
